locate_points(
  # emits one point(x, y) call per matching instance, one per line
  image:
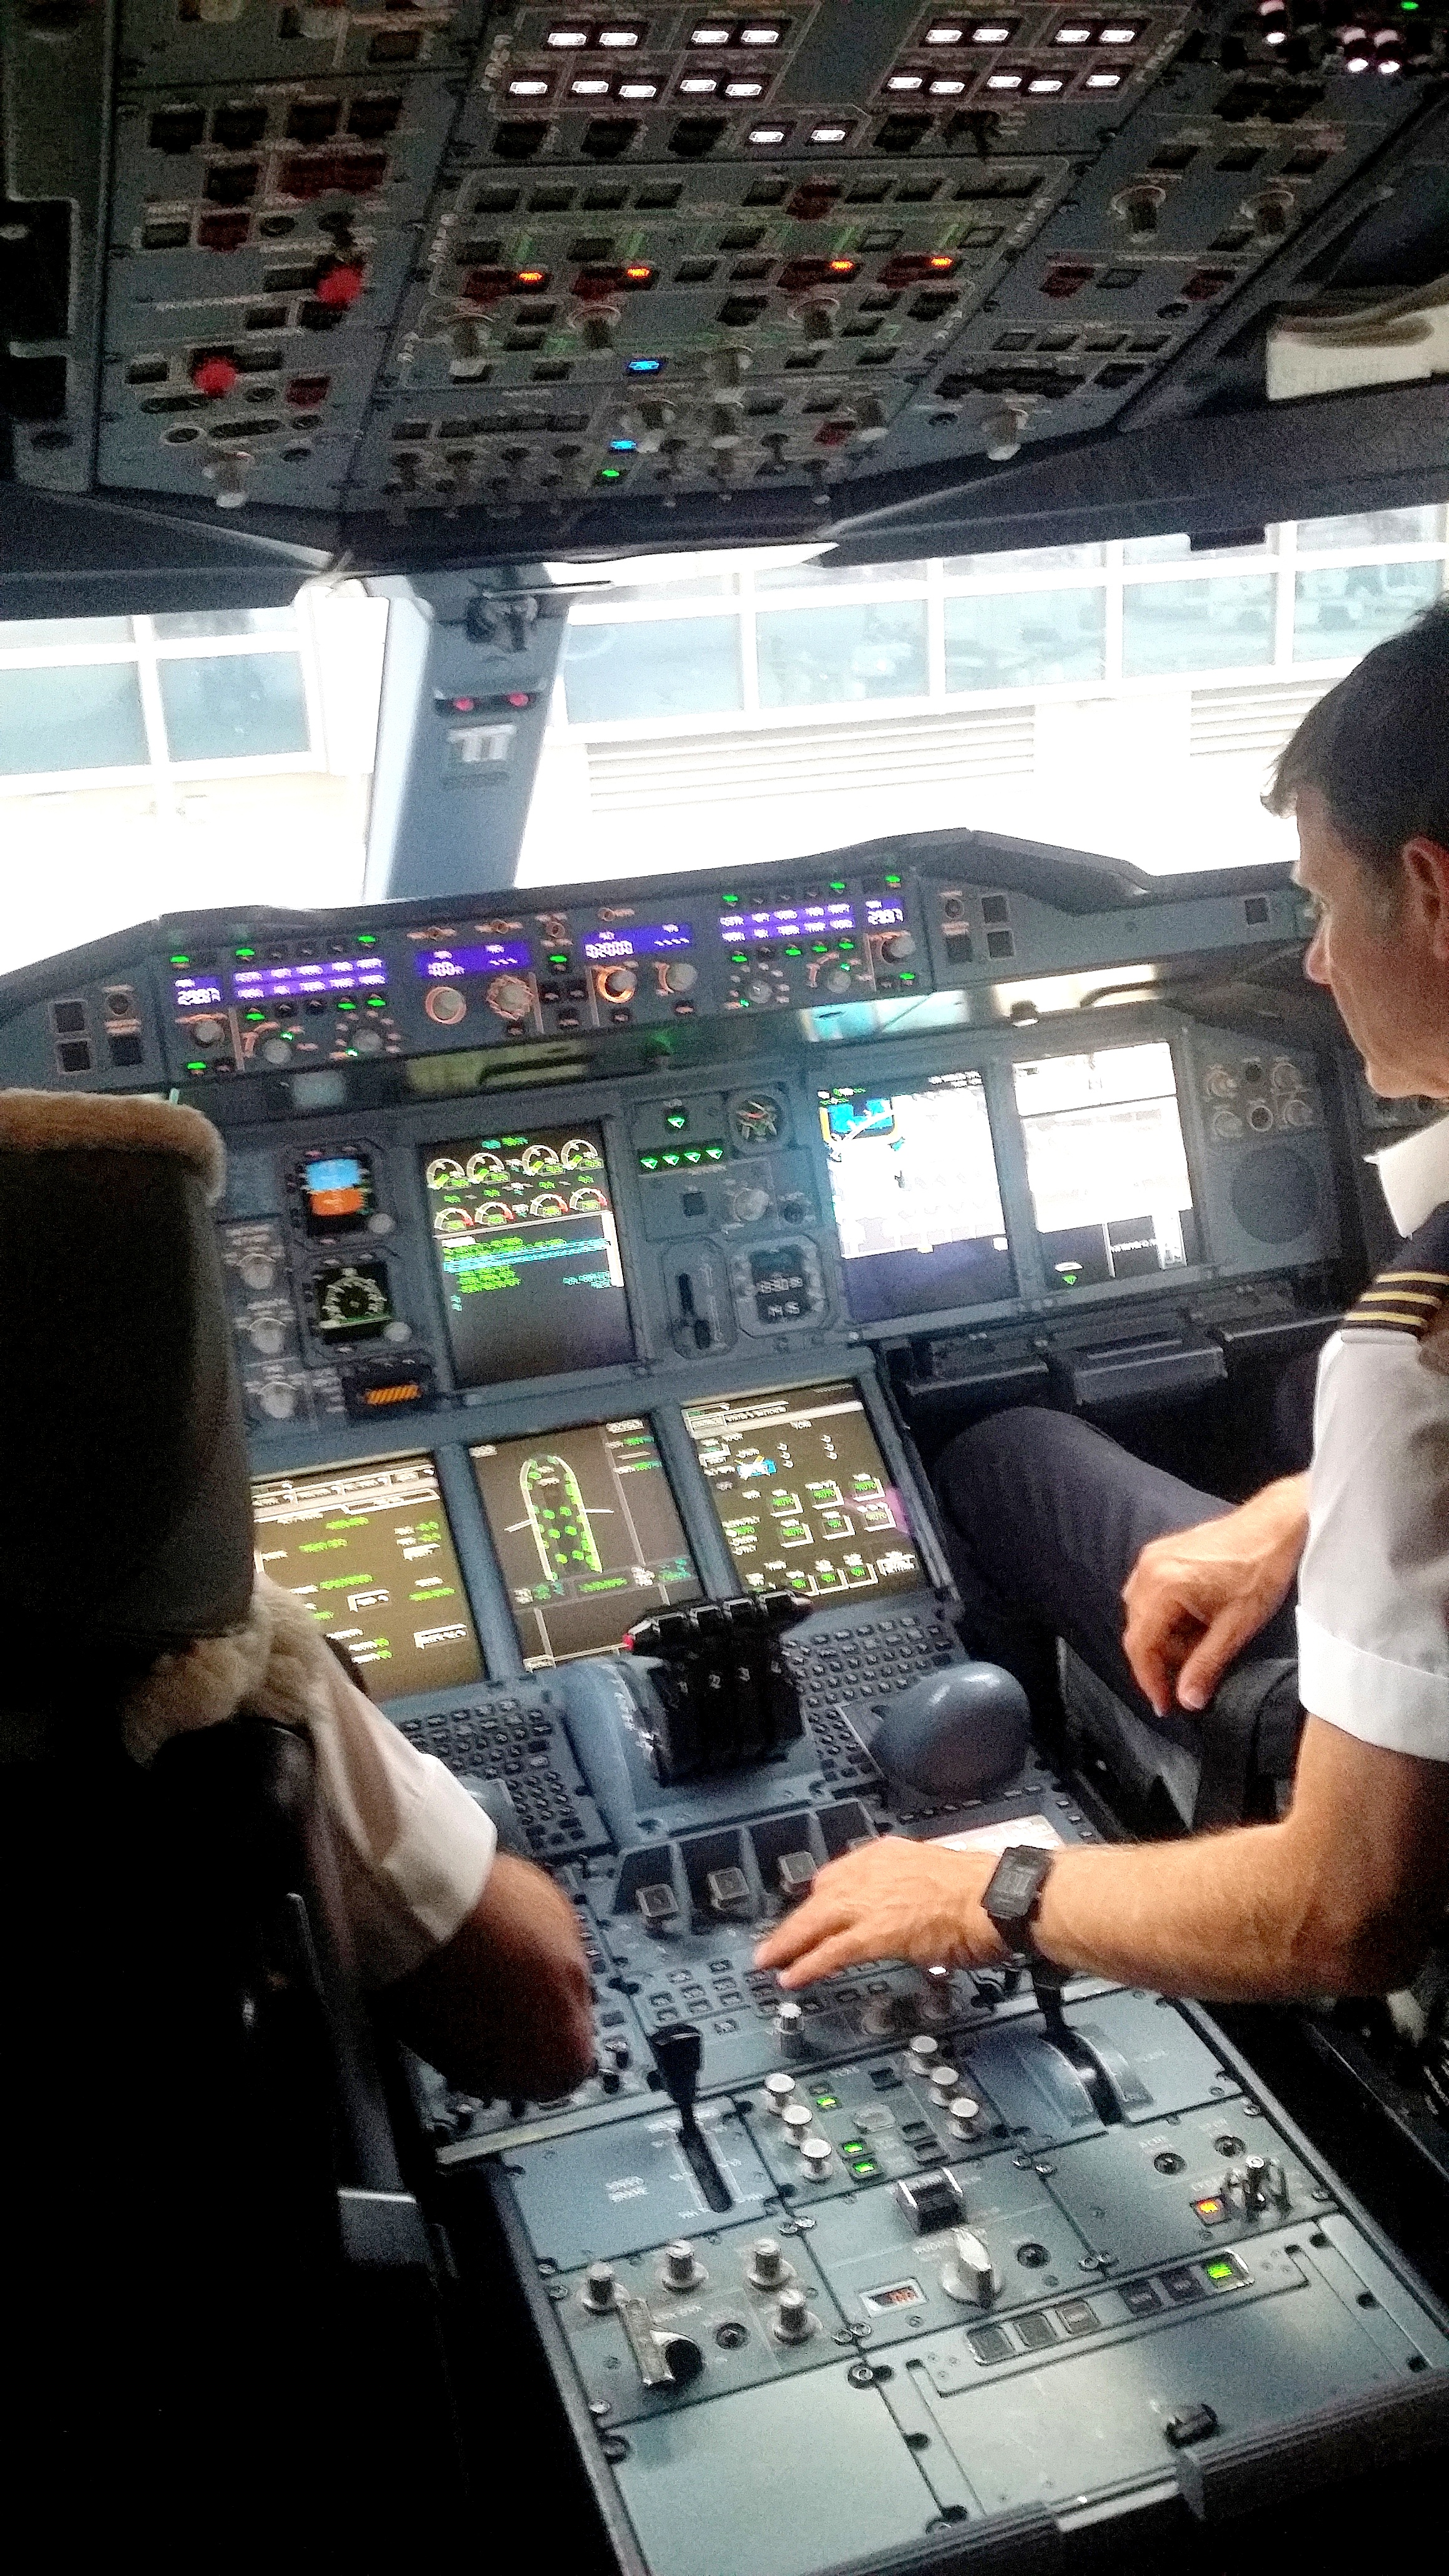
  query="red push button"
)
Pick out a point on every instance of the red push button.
point(341, 284)
point(215, 376)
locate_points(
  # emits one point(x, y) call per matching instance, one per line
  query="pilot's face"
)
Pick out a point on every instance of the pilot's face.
point(1378, 947)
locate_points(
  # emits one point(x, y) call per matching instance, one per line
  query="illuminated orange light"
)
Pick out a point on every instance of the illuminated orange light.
point(842, 268)
point(943, 259)
point(638, 271)
point(531, 276)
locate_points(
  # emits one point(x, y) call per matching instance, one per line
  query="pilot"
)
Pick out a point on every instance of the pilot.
point(1057, 1526)
point(126, 1497)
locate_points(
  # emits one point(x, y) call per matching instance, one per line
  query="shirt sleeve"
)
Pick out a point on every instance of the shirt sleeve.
point(1373, 1597)
point(414, 1852)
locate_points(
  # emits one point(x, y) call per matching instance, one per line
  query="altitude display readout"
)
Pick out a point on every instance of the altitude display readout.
point(370, 1552)
point(802, 1494)
point(477, 957)
point(641, 939)
point(585, 1529)
point(527, 1248)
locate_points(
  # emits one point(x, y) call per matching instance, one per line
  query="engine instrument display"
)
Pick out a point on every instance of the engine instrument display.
point(802, 1494)
point(527, 1248)
point(1107, 1166)
point(917, 1203)
point(585, 1529)
point(370, 1552)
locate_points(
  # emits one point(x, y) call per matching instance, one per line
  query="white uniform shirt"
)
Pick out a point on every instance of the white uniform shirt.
point(1373, 1596)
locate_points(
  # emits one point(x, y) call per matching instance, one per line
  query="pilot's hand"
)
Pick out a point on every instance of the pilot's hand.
point(1195, 1598)
point(893, 1900)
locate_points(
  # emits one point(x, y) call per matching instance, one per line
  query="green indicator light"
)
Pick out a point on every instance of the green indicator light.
point(908, 979)
point(376, 1002)
point(819, 947)
point(729, 898)
point(672, 1162)
point(827, 2102)
point(794, 952)
point(837, 885)
point(895, 881)
point(179, 959)
point(1221, 2270)
point(347, 1006)
point(244, 953)
point(678, 1119)
point(611, 474)
point(738, 957)
point(867, 2171)
point(254, 1016)
point(714, 1153)
point(559, 959)
point(367, 939)
point(744, 1006)
point(852, 2146)
point(648, 1162)
point(692, 1154)
point(198, 1065)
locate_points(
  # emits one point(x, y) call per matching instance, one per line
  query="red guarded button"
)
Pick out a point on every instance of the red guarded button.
point(215, 376)
point(341, 284)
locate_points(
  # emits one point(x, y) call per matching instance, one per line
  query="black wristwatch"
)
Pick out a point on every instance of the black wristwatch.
point(1013, 1894)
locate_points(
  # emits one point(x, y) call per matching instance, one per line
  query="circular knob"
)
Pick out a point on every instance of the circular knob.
point(680, 2269)
point(963, 2114)
point(878, 2018)
point(797, 2119)
point(258, 1273)
point(215, 376)
point(836, 979)
point(599, 2288)
point(778, 2090)
point(923, 2053)
point(510, 997)
point(269, 1339)
point(793, 2322)
point(944, 2080)
point(208, 1032)
point(618, 984)
point(952, 908)
point(277, 1050)
point(1221, 1082)
point(1260, 1116)
point(747, 1207)
point(681, 2358)
point(446, 1005)
point(279, 1403)
point(815, 2157)
point(898, 948)
point(768, 2267)
point(367, 1037)
point(759, 989)
point(680, 977)
point(789, 2025)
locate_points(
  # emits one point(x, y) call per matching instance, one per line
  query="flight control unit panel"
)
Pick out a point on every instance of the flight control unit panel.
point(600, 1260)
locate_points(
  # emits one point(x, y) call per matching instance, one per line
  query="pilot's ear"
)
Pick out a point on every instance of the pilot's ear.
point(1425, 865)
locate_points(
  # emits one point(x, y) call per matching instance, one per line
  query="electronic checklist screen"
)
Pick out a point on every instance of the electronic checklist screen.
point(802, 1493)
point(527, 1249)
point(1107, 1166)
point(370, 1552)
point(917, 1202)
point(586, 1531)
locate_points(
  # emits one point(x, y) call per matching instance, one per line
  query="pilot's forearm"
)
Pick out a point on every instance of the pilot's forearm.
point(1225, 1917)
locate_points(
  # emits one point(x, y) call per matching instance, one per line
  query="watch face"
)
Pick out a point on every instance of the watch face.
point(1016, 1881)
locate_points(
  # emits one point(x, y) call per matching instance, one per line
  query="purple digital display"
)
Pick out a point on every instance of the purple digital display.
point(309, 975)
point(483, 957)
point(885, 911)
point(798, 921)
point(196, 993)
point(642, 939)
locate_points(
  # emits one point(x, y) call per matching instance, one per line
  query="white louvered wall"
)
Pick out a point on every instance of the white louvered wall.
point(904, 753)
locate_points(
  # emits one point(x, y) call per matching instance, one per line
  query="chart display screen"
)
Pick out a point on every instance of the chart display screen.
point(527, 1249)
point(917, 1202)
point(1107, 1166)
point(802, 1494)
point(370, 1552)
point(585, 1529)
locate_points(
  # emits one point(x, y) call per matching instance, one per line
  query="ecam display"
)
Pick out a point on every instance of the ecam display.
point(587, 1535)
point(527, 1249)
point(370, 1551)
point(803, 1497)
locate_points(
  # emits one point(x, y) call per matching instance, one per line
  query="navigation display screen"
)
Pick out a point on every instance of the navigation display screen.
point(917, 1202)
point(1107, 1165)
point(586, 1531)
point(370, 1552)
point(528, 1252)
point(802, 1495)
point(480, 957)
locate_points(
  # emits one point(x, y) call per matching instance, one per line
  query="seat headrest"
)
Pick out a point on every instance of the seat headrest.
point(125, 1505)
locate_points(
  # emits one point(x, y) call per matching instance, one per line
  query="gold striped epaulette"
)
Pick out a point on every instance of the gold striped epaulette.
point(1400, 1301)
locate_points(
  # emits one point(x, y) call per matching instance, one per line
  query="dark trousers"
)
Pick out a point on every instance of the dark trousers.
point(1045, 1519)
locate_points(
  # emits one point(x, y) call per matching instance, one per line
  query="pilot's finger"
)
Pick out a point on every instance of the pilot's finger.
point(818, 1916)
point(842, 1950)
point(1210, 1658)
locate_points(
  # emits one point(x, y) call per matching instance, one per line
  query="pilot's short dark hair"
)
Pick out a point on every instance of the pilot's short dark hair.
point(1377, 746)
